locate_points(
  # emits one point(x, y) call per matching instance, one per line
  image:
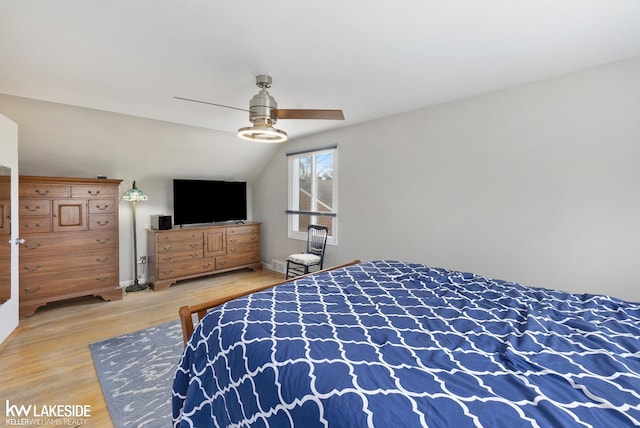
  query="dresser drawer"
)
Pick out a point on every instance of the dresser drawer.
point(241, 230)
point(5, 247)
point(93, 191)
point(5, 187)
point(177, 236)
point(64, 263)
point(30, 225)
point(243, 248)
point(102, 221)
point(102, 206)
point(224, 262)
point(173, 257)
point(73, 284)
point(34, 207)
point(68, 242)
point(181, 246)
point(242, 239)
point(171, 270)
point(42, 190)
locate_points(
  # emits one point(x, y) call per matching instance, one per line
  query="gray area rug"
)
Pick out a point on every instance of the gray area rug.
point(136, 374)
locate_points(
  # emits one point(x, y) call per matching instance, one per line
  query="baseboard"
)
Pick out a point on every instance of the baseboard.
point(277, 265)
point(125, 284)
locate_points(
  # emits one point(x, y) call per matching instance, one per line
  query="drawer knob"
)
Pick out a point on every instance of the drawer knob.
point(104, 260)
point(93, 192)
point(33, 268)
point(33, 247)
point(32, 208)
point(42, 192)
point(29, 290)
point(102, 241)
point(102, 207)
point(103, 223)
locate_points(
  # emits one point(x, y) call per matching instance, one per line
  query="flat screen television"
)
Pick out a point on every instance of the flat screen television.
point(208, 201)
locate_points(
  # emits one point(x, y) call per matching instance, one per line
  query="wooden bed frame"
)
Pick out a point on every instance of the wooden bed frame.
point(186, 312)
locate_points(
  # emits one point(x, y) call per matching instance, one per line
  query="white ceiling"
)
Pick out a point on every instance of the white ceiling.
point(369, 58)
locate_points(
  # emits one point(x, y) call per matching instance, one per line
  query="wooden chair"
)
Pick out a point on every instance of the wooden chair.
point(299, 264)
point(186, 313)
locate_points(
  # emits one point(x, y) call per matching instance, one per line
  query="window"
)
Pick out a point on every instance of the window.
point(313, 192)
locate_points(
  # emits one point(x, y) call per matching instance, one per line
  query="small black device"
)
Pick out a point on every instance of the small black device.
point(161, 222)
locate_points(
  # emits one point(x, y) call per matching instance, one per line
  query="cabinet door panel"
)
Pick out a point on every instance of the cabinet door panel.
point(215, 242)
point(69, 215)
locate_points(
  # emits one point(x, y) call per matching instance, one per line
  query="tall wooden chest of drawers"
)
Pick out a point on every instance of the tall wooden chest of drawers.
point(191, 252)
point(5, 238)
point(70, 227)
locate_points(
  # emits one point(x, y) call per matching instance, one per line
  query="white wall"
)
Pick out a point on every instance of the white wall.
point(536, 184)
point(9, 157)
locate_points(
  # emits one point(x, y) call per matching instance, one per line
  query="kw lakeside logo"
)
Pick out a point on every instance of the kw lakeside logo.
point(48, 414)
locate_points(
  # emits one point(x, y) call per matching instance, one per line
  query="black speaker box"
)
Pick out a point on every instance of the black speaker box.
point(161, 222)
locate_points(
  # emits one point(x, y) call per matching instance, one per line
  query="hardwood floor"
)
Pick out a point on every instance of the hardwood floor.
point(47, 360)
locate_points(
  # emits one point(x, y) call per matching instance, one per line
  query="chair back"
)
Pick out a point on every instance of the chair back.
point(317, 239)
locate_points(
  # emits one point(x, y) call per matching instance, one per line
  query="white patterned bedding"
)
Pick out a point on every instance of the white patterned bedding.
point(392, 344)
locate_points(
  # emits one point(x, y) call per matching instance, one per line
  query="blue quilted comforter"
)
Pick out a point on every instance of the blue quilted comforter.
point(391, 344)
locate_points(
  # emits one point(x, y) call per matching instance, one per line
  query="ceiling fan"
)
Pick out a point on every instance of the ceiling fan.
point(264, 113)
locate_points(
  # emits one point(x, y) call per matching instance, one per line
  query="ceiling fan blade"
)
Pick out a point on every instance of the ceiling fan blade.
point(309, 114)
point(211, 104)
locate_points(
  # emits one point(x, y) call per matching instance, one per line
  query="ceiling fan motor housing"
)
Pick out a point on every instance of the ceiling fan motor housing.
point(262, 109)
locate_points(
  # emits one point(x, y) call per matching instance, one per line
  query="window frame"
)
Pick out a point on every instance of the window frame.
point(293, 207)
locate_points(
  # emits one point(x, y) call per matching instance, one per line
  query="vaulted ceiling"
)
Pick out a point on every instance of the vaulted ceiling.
point(371, 59)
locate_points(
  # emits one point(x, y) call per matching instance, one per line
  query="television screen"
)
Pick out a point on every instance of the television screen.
point(208, 201)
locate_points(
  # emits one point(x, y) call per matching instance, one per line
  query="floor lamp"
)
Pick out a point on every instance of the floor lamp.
point(134, 195)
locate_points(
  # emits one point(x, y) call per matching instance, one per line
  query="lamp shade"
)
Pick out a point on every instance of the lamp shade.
point(134, 194)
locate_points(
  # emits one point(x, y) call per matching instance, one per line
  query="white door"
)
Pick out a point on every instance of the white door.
point(9, 162)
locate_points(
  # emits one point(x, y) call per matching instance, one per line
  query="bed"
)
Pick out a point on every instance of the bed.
point(394, 344)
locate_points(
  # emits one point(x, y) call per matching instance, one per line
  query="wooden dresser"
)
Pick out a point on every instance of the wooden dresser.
point(5, 238)
point(191, 252)
point(70, 226)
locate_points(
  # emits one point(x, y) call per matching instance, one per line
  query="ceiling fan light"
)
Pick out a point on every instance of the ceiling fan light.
point(262, 134)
